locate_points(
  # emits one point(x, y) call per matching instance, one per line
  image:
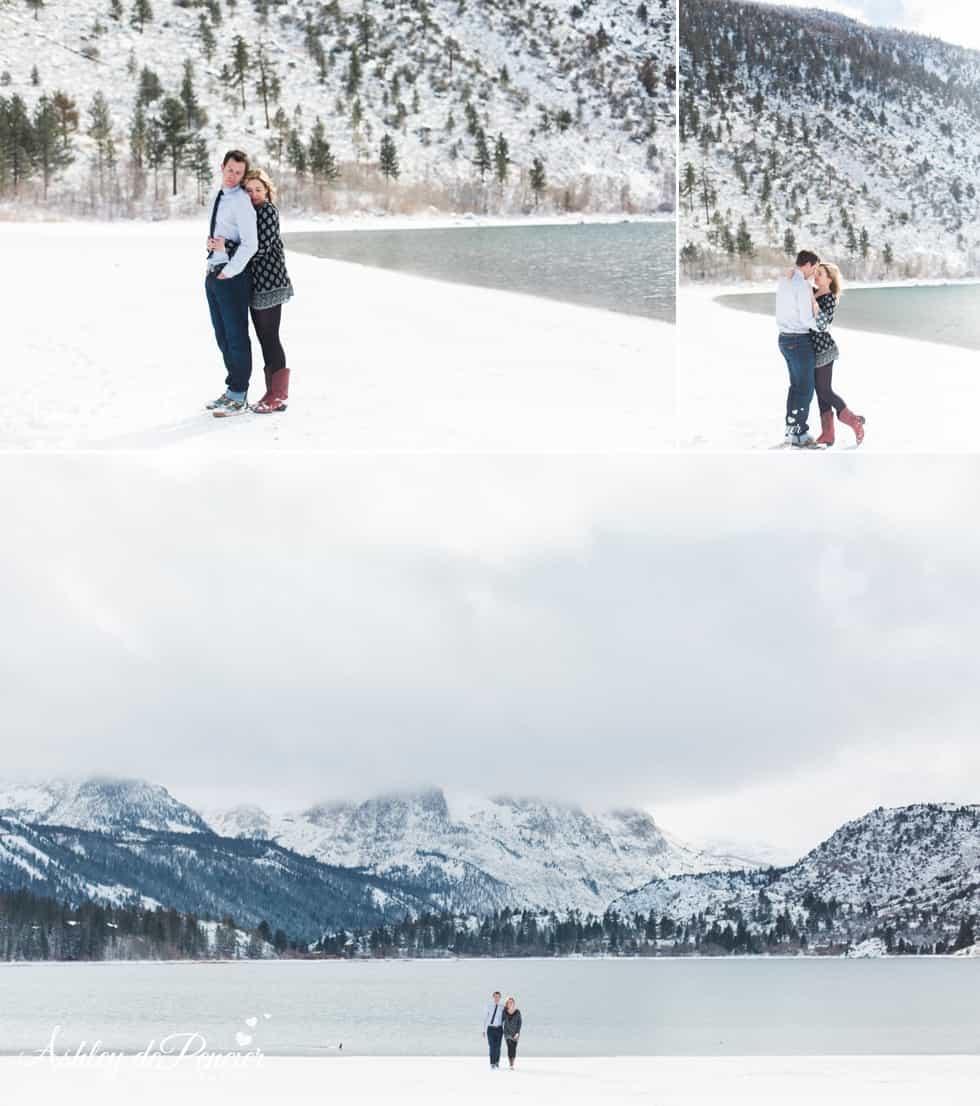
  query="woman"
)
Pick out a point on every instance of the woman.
point(512, 1029)
point(826, 297)
point(271, 288)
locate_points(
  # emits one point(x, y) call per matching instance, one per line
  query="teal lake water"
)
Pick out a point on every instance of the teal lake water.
point(626, 267)
point(949, 313)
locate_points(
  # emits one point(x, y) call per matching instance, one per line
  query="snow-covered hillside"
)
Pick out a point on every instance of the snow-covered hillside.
point(804, 128)
point(587, 87)
point(484, 853)
point(910, 875)
point(99, 803)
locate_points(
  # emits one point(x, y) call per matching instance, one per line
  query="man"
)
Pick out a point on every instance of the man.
point(493, 1027)
point(232, 240)
point(794, 317)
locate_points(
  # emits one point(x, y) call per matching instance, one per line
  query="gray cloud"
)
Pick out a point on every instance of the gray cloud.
point(670, 632)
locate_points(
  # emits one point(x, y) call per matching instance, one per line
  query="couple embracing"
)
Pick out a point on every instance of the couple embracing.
point(246, 274)
point(806, 301)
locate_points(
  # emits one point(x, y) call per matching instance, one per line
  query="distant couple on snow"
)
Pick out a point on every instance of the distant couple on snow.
point(502, 1021)
point(806, 301)
point(246, 273)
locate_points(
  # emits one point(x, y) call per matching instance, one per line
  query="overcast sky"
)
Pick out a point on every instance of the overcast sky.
point(952, 20)
point(748, 648)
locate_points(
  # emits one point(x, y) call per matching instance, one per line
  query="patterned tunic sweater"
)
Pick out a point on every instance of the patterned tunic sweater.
point(823, 341)
point(270, 281)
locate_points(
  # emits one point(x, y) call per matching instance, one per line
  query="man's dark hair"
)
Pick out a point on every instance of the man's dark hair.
point(236, 155)
point(806, 257)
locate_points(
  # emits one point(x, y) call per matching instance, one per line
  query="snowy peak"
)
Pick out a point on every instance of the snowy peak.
point(481, 853)
point(100, 803)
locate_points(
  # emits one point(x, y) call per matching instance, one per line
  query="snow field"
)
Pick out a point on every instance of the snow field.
point(732, 385)
point(112, 349)
point(664, 1081)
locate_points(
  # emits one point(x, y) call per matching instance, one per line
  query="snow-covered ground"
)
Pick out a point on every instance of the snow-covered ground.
point(110, 347)
point(732, 384)
point(666, 1081)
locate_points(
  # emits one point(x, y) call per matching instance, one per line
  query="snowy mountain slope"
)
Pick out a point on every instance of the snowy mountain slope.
point(199, 873)
point(914, 871)
point(520, 64)
point(503, 851)
point(100, 803)
point(461, 853)
point(813, 126)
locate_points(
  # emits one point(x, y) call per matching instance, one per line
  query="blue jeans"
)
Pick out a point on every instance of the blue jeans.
point(800, 357)
point(228, 302)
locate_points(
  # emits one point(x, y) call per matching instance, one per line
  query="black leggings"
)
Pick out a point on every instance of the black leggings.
point(266, 323)
point(826, 396)
point(511, 1049)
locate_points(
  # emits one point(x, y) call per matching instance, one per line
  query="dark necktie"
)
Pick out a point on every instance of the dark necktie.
point(214, 215)
point(493, 1020)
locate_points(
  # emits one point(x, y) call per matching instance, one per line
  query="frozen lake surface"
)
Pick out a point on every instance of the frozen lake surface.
point(737, 1007)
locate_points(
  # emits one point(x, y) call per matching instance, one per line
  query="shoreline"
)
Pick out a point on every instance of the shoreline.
point(303, 222)
point(699, 957)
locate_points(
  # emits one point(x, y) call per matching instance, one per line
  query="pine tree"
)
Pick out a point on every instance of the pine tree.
point(501, 160)
point(35, 6)
point(865, 243)
point(100, 131)
point(296, 153)
point(201, 166)
point(206, 37)
point(150, 88)
point(323, 164)
point(352, 81)
point(280, 122)
point(67, 111)
point(789, 242)
point(389, 159)
point(141, 14)
point(137, 136)
point(268, 86)
point(195, 116)
point(155, 152)
point(743, 242)
point(16, 142)
point(481, 156)
point(174, 134)
point(116, 10)
point(689, 185)
point(51, 152)
point(538, 179)
point(240, 66)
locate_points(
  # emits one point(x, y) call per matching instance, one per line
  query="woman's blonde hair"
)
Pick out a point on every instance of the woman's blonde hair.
point(264, 179)
point(836, 280)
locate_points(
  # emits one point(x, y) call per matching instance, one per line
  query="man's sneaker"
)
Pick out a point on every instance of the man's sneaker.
point(223, 400)
point(800, 441)
point(230, 407)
